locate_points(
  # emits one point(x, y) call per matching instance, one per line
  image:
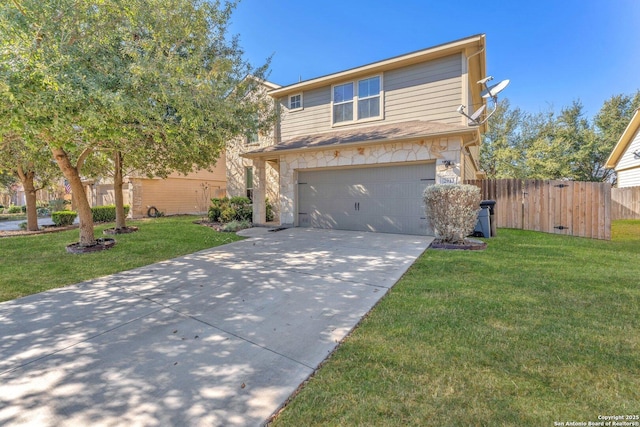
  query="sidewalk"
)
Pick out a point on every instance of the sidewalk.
point(15, 225)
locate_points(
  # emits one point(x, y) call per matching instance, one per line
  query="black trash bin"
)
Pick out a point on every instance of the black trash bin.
point(483, 224)
point(490, 204)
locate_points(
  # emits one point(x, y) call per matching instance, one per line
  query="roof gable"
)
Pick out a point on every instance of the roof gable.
point(625, 141)
point(474, 44)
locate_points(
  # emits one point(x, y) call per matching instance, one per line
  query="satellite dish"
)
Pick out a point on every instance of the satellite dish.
point(489, 93)
point(493, 90)
point(474, 117)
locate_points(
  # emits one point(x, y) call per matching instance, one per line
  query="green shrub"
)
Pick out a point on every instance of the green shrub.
point(269, 207)
point(235, 225)
point(217, 205)
point(452, 210)
point(63, 218)
point(228, 209)
point(23, 225)
point(228, 214)
point(242, 207)
point(13, 209)
point(106, 213)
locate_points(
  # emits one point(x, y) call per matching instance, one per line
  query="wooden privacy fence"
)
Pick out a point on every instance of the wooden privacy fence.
point(625, 203)
point(559, 207)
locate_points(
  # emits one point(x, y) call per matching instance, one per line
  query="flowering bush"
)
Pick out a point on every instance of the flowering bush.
point(452, 210)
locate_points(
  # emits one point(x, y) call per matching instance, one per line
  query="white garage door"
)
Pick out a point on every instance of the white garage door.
point(386, 199)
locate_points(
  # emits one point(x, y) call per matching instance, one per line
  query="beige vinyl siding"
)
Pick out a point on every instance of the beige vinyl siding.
point(629, 178)
point(174, 196)
point(105, 194)
point(178, 194)
point(217, 174)
point(469, 168)
point(315, 116)
point(429, 91)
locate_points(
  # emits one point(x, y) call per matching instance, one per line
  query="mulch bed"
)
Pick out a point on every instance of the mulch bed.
point(215, 225)
point(125, 230)
point(468, 245)
point(102, 244)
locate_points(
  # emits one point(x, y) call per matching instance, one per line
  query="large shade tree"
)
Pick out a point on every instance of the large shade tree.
point(546, 145)
point(34, 169)
point(157, 82)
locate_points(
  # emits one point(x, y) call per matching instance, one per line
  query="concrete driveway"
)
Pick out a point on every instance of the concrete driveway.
point(219, 337)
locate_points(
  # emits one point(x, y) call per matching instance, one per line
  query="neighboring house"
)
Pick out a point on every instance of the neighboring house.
point(176, 194)
point(625, 157)
point(240, 170)
point(355, 150)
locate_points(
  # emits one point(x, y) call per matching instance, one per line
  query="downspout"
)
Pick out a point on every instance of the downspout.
point(465, 100)
point(476, 140)
point(470, 101)
point(466, 152)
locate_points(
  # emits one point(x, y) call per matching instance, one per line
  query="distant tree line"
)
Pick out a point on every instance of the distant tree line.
point(547, 145)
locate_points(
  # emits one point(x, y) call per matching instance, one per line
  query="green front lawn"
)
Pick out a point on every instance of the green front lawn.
point(36, 263)
point(534, 330)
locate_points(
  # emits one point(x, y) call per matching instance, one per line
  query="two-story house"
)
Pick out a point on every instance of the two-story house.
point(354, 150)
point(625, 156)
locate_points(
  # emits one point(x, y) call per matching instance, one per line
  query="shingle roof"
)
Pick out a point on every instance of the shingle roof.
point(415, 129)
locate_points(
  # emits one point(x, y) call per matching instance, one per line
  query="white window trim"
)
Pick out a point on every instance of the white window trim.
point(350, 101)
point(355, 100)
point(301, 107)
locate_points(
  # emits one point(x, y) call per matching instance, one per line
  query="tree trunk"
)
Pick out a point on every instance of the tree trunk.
point(72, 174)
point(26, 178)
point(30, 197)
point(117, 191)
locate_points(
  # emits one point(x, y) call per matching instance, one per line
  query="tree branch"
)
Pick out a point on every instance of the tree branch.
point(83, 157)
point(19, 7)
point(20, 173)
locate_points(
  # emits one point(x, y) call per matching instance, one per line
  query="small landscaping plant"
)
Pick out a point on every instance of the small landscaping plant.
point(226, 209)
point(452, 211)
point(13, 209)
point(106, 213)
point(63, 218)
point(235, 225)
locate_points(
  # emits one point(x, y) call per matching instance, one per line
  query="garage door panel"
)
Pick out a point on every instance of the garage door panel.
point(382, 199)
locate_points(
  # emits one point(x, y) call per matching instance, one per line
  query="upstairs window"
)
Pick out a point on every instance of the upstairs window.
point(295, 102)
point(369, 98)
point(358, 100)
point(343, 103)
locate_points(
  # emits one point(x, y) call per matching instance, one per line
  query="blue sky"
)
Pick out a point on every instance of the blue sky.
point(554, 52)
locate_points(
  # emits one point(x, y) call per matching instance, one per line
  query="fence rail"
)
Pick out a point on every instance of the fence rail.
point(559, 207)
point(625, 203)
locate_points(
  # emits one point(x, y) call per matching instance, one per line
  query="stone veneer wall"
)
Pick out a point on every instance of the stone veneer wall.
point(439, 149)
point(236, 169)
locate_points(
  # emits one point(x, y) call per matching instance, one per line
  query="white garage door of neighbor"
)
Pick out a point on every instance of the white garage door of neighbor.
point(386, 199)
